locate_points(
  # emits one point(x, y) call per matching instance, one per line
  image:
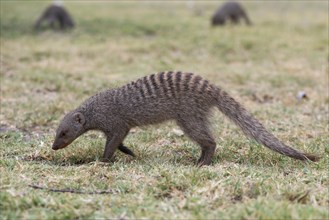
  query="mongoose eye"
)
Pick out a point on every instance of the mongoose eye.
point(62, 134)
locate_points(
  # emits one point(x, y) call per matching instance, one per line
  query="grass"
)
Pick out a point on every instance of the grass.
point(44, 75)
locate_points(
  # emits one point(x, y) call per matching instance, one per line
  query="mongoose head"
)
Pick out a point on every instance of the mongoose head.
point(71, 127)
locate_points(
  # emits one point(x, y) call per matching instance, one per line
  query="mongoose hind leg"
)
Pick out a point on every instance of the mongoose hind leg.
point(198, 130)
point(235, 19)
point(207, 151)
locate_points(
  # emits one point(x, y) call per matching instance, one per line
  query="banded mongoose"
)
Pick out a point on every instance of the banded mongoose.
point(183, 97)
point(55, 14)
point(230, 11)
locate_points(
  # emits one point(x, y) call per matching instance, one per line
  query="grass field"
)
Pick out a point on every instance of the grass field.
point(46, 74)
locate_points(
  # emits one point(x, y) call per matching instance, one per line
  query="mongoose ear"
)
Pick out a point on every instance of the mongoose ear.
point(80, 118)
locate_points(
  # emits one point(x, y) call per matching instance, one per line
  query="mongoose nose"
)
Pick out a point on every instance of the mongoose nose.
point(60, 144)
point(55, 146)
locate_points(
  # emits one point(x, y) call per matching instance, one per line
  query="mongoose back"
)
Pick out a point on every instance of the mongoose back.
point(230, 11)
point(183, 97)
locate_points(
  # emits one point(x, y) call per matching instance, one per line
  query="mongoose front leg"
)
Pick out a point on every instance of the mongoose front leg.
point(112, 143)
point(126, 150)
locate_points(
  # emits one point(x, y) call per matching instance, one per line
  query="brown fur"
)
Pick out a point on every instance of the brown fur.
point(183, 97)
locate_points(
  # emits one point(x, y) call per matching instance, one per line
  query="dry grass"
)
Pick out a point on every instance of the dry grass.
point(47, 74)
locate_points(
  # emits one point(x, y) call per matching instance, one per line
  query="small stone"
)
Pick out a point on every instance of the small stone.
point(178, 132)
point(301, 95)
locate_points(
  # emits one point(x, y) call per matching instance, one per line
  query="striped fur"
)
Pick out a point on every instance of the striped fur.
point(183, 97)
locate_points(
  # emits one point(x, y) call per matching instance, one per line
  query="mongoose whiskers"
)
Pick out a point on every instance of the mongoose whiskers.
point(183, 97)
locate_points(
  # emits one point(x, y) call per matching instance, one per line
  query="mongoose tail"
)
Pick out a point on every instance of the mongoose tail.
point(253, 128)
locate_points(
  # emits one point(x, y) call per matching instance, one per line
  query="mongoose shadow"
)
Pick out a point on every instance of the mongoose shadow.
point(183, 97)
point(53, 16)
point(72, 160)
point(76, 160)
point(230, 11)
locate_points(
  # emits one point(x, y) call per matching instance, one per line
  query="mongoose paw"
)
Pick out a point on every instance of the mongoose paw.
point(105, 160)
point(203, 163)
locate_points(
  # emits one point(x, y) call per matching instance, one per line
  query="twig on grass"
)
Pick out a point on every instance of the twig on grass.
point(72, 190)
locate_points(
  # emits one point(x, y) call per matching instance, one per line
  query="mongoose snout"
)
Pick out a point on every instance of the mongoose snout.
point(59, 145)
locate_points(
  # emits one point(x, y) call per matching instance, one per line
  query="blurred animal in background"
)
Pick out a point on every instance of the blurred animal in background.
point(230, 11)
point(55, 15)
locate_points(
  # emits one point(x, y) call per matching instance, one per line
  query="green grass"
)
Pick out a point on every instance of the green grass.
point(44, 75)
